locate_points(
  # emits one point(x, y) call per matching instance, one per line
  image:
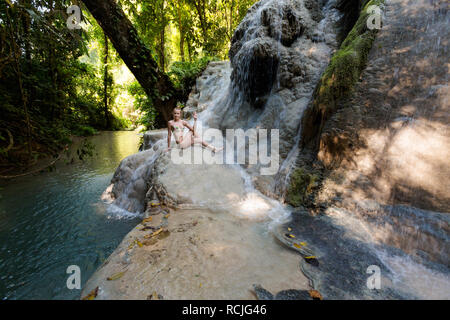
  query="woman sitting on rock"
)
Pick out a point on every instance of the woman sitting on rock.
point(177, 125)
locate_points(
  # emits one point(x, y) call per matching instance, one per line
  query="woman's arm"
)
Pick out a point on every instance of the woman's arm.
point(195, 124)
point(188, 126)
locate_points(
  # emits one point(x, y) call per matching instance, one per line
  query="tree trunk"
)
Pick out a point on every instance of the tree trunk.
point(105, 82)
point(200, 7)
point(231, 30)
point(189, 51)
point(26, 23)
point(180, 27)
point(182, 46)
point(52, 67)
point(162, 60)
point(136, 56)
point(16, 52)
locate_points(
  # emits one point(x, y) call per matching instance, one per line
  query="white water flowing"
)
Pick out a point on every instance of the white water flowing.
point(408, 275)
point(220, 103)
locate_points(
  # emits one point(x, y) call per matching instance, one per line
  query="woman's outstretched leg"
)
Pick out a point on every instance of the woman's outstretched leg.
point(207, 145)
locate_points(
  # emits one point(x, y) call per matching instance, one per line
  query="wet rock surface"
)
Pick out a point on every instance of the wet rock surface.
point(420, 233)
point(129, 183)
point(291, 294)
point(386, 145)
point(198, 184)
point(208, 86)
point(341, 270)
point(196, 254)
point(260, 71)
point(391, 136)
point(276, 59)
point(151, 137)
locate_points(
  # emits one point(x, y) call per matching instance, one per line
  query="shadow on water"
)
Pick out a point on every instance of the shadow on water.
point(56, 219)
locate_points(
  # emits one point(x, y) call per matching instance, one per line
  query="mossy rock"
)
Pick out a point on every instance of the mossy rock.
point(303, 184)
point(342, 73)
point(347, 63)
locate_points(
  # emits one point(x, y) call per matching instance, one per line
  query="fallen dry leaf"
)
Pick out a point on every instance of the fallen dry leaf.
point(135, 241)
point(154, 296)
point(116, 276)
point(315, 294)
point(154, 233)
point(91, 295)
point(146, 220)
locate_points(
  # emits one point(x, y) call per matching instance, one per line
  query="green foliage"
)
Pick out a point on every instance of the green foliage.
point(302, 184)
point(183, 36)
point(184, 74)
point(119, 123)
point(144, 104)
point(85, 131)
point(175, 29)
point(63, 95)
point(86, 149)
point(346, 64)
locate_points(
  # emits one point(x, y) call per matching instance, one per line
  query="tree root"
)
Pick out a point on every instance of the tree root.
point(33, 171)
point(11, 140)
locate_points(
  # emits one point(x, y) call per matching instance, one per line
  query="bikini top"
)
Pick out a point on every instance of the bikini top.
point(178, 128)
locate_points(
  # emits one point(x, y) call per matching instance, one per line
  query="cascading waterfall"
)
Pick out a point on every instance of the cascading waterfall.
point(231, 96)
point(126, 194)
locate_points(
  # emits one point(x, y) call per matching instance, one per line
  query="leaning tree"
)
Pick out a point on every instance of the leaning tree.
point(136, 56)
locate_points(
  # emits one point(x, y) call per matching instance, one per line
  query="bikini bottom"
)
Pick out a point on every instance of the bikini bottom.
point(189, 140)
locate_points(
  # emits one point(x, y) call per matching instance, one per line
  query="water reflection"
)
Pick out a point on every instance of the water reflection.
point(55, 219)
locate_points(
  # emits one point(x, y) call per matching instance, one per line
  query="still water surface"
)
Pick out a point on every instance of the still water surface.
point(52, 220)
